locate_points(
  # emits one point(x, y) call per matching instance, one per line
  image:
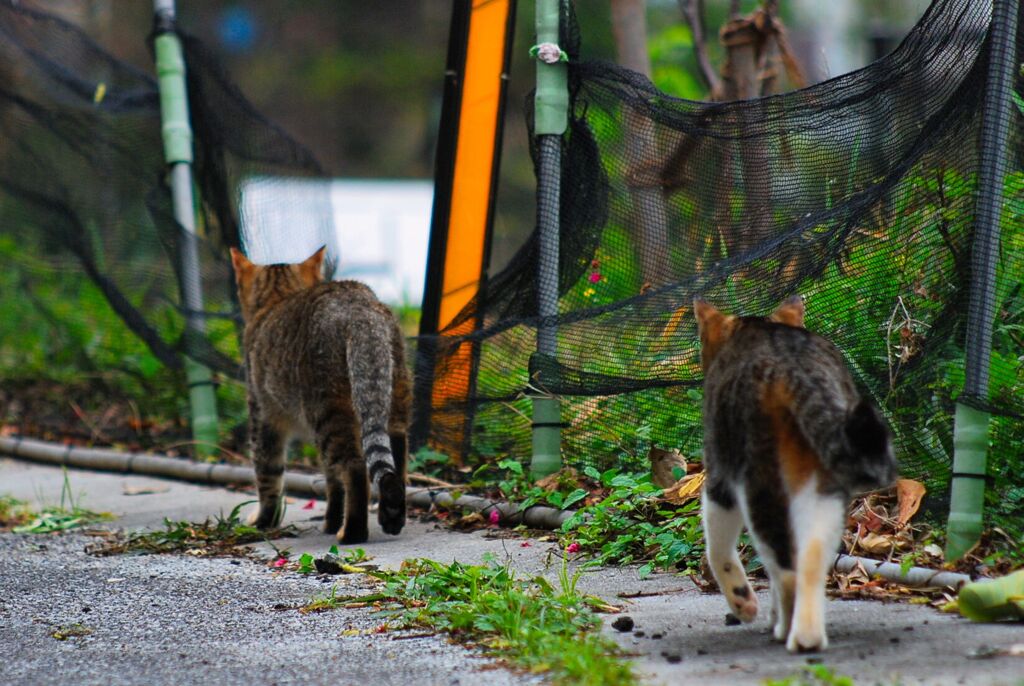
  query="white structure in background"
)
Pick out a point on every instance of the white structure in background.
point(375, 231)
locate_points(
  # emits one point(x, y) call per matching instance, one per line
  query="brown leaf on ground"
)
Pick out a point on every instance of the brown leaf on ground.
point(565, 478)
point(908, 496)
point(684, 490)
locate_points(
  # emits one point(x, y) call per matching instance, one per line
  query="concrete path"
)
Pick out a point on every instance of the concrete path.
point(178, 620)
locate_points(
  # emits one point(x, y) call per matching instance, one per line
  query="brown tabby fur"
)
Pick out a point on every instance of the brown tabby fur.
point(326, 363)
point(787, 439)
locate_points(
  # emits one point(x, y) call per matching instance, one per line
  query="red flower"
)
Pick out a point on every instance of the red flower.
point(310, 505)
point(573, 547)
point(281, 562)
point(494, 516)
point(595, 277)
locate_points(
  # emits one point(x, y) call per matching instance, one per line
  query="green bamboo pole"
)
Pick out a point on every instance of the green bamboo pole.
point(177, 137)
point(551, 104)
point(970, 438)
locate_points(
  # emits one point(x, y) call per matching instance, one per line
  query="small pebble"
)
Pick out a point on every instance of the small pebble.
point(814, 660)
point(701, 651)
point(908, 628)
point(674, 658)
point(657, 636)
point(894, 639)
point(731, 620)
point(639, 633)
point(623, 623)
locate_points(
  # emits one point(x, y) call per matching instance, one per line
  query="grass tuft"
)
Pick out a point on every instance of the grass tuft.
point(529, 623)
point(223, 536)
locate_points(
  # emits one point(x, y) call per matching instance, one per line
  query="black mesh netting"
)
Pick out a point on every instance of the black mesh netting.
point(87, 235)
point(858, 193)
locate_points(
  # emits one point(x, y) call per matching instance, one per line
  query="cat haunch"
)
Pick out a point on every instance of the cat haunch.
point(787, 440)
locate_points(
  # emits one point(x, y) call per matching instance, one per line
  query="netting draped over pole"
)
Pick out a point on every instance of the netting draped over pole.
point(971, 425)
point(177, 136)
point(550, 120)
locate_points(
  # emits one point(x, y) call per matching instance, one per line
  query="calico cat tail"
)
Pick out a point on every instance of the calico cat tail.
point(371, 373)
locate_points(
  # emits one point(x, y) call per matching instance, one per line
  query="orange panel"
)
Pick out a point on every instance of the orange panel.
point(474, 157)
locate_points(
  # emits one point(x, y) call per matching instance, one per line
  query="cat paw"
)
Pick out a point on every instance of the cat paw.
point(264, 518)
point(806, 639)
point(780, 631)
point(743, 603)
point(350, 535)
point(391, 507)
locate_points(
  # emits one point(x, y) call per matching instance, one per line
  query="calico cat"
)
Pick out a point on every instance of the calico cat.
point(787, 440)
point(326, 363)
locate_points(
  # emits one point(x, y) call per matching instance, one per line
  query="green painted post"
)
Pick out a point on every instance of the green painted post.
point(970, 438)
point(177, 137)
point(551, 105)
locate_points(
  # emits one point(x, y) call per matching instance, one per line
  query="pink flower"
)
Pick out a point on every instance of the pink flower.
point(281, 562)
point(595, 277)
point(573, 547)
point(310, 505)
point(524, 544)
point(494, 517)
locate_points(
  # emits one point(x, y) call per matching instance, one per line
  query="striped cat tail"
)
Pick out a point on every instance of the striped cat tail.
point(370, 374)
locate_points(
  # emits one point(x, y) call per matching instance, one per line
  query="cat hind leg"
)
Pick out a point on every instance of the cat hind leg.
point(722, 526)
point(267, 445)
point(817, 521)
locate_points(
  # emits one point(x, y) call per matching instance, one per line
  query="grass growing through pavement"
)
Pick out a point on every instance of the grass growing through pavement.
point(530, 623)
point(13, 512)
point(17, 516)
point(223, 536)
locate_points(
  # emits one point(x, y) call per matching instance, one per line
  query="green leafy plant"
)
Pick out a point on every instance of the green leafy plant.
point(13, 512)
point(529, 622)
point(223, 536)
point(630, 524)
point(63, 517)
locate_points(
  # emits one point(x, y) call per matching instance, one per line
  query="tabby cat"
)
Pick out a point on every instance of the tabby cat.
point(326, 363)
point(787, 440)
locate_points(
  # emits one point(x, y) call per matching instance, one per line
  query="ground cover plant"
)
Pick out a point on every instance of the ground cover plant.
point(529, 623)
point(18, 517)
point(221, 536)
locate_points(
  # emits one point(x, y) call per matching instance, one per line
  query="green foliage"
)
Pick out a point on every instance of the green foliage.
point(631, 525)
point(813, 675)
point(528, 622)
point(221, 536)
point(63, 517)
point(13, 512)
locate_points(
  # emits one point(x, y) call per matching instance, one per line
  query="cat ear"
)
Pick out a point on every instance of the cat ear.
point(705, 313)
point(790, 312)
point(312, 268)
point(243, 267)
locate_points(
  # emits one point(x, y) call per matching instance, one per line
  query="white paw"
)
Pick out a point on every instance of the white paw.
point(806, 639)
point(780, 630)
point(743, 604)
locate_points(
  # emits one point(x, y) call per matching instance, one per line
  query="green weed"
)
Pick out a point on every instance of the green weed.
point(528, 622)
point(224, 536)
point(64, 517)
point(13, 512)
point(631, 525)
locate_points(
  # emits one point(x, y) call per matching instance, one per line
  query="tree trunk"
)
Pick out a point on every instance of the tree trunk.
point(649, 214)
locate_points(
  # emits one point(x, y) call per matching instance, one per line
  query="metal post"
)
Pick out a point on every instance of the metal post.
point(550, 121)
point(970, 439)
point(177, 137)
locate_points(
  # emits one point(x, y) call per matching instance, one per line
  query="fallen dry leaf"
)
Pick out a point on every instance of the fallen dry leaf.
point(685, 489)
point(908, 495)
point(877, 544)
